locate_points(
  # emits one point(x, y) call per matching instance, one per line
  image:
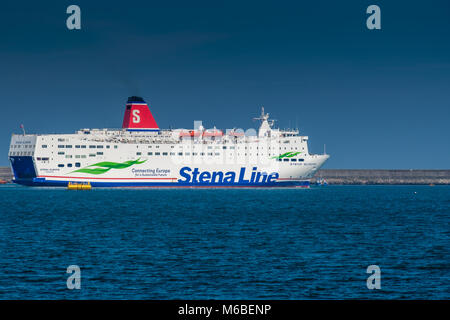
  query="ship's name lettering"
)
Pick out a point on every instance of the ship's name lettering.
point(195, 176)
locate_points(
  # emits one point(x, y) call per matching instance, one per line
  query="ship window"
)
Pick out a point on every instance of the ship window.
point(172, 153)
point(217, 154)
point(60, 152)
point(100, 153)
point(164, 153)
point(91, 147)
point(77, 156)
point(209, 153)
point(187, 153)
point(137, 153)
point(61, 140)
point(301, 159)
point(77, 146)
point(44, 159)
point(209, 147)
point(91, 154)
point(279, 160)
point(60, 146)
point(83, 147)
point(107, 147)
point(44, 146)
point(115, 147)
point(77, 164)
point(68, 156)
point(285, 160)
point(194, 153)
point(157, 153)
point(99, 147)
point(60, 165)
point(68, 146)
point(180, 153)
point(83, 156)
point(38, 158)
point(150, 153)
point(294, 160)
point(69, 165)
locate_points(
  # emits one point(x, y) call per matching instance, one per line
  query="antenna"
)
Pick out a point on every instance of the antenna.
point(263, 116)
point(324, 148)
point(23, 128)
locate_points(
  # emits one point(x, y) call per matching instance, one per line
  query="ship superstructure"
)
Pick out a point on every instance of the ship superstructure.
point(140, 154)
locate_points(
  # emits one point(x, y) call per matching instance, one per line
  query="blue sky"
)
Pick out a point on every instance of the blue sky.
point(377, 99)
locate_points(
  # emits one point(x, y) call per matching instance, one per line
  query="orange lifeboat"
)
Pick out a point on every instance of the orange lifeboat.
point(213, 133)
point(234, 133)
point(190, 133)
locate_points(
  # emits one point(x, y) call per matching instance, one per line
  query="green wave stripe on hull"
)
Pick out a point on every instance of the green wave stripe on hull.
point(289, 154)
point(105, 166)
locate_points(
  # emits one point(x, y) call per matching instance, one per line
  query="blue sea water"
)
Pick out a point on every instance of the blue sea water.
point(225, 244)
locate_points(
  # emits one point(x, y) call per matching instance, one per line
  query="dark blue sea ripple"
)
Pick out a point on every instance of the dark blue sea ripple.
point(226, 244)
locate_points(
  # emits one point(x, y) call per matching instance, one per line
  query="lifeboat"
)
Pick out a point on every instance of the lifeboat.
point(234, 133)
point(213, 133)
point(190, 133)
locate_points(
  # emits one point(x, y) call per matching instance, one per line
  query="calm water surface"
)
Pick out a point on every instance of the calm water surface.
point(225, 244)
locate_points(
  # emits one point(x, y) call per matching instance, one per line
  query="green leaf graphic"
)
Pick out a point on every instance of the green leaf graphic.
point(293, 154)
point(289, 154)
point(105, 166)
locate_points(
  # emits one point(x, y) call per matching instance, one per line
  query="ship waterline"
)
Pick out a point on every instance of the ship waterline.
point(142, 155)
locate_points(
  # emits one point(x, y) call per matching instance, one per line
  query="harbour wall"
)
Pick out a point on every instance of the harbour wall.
point(351, 176)
point(5, 174)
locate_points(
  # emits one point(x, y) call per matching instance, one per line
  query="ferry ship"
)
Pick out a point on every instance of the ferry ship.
point(140, 154)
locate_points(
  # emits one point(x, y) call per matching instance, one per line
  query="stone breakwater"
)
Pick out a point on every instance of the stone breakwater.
point(5, 174)
point(350, 176)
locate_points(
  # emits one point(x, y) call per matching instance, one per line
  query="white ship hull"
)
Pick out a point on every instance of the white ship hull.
point(155, 158)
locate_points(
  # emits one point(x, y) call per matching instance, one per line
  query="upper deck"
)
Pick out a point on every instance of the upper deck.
point(265, 141)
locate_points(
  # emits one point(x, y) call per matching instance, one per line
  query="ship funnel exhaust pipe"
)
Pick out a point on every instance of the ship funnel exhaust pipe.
point(138, 116)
